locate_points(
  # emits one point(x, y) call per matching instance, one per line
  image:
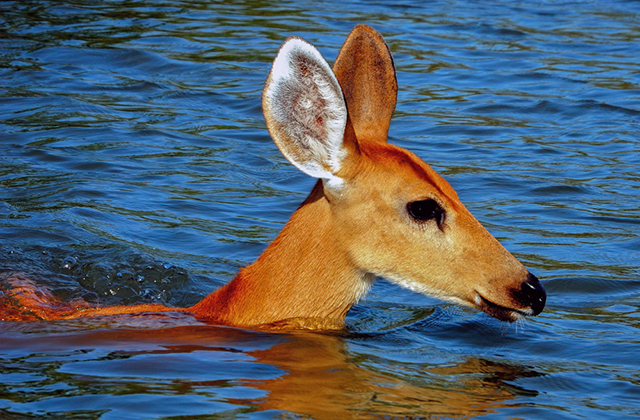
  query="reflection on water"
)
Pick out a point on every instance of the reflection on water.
point(135, 167)
point(300, 373)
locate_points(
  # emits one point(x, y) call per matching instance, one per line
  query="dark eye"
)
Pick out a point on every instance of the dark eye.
point(424, 210)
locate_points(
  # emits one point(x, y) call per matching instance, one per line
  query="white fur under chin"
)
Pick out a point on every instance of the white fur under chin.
point(426, 290)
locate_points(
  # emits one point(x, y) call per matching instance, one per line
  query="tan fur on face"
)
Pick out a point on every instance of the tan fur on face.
point(453, 262)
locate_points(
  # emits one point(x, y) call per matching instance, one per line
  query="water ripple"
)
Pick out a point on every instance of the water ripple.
point(132, 142)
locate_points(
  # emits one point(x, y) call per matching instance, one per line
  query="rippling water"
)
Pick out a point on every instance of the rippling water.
point(135, 167)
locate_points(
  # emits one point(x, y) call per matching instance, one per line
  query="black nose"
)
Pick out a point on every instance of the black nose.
point(532, 294)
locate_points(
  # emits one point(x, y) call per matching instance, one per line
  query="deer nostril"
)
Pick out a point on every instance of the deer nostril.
point(532, 294)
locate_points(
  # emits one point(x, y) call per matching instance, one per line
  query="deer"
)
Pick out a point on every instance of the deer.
point(376, 211)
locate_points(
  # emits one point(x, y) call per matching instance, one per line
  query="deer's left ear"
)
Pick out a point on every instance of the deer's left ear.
point(367, 76)
point(305, 110)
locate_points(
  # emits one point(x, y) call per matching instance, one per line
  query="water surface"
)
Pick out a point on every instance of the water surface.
point(135, 167)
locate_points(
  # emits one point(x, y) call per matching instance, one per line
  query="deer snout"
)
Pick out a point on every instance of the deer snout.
point(526, 300)
point(531, 295)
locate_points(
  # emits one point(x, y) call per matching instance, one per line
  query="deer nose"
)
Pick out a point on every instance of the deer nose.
point(532, 294)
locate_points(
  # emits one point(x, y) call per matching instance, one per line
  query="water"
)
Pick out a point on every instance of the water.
point(135, 167)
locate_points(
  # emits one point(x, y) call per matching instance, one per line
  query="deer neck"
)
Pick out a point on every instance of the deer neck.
point(302, 278)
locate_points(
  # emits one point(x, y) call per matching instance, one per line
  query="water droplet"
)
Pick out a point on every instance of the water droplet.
point(69, 263)
point(140, 278)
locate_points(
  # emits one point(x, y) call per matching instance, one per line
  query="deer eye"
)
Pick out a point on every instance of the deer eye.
point(425, 210)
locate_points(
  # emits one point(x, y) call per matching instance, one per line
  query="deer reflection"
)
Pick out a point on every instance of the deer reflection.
point(321, 380)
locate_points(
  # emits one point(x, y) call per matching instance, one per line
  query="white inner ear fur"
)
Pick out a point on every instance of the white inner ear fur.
point(305, 110)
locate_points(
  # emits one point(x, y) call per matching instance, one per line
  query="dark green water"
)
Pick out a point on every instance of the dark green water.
point(135, 167)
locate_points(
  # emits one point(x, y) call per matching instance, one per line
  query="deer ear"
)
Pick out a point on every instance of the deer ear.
point(305, 110)
point(367, 76)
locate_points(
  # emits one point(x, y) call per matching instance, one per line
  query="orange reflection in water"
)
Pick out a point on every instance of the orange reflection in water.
point(317, 378)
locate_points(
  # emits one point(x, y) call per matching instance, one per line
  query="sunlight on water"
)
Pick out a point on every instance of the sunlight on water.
point(136, 168)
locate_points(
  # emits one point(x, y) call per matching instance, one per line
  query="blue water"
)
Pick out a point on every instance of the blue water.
point(135, 167)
